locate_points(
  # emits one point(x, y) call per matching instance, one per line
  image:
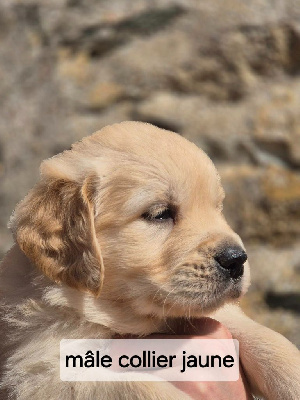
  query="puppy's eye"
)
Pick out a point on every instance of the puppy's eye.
point(160, 216)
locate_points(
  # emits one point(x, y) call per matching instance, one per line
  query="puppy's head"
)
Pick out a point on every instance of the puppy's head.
point(133, 213)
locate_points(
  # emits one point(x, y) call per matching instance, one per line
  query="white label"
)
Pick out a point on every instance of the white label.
point(149, 360)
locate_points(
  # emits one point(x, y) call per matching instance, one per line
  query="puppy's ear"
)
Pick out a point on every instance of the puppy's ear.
point(54, 227)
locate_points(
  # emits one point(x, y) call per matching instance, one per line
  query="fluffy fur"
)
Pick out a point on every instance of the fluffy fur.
point(92, 260)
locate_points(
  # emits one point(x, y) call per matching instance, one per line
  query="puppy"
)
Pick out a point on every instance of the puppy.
point(124, 234)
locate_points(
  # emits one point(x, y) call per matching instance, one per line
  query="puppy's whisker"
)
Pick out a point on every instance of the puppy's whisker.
point(164, 314)
point(175, 302)
point(189, 313)
point(160, 289)
point(166, 298)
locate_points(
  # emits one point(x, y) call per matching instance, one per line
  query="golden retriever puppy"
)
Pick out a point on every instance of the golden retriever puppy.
point(124, 234)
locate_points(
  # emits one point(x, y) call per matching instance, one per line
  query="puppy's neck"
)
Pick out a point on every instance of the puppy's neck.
point(22, 282)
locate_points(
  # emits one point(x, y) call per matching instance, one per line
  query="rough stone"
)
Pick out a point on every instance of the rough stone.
point(223, 74)
point(263, 203)
point(275, 275)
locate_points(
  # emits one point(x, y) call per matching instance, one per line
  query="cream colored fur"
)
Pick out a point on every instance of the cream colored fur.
point(91, 261)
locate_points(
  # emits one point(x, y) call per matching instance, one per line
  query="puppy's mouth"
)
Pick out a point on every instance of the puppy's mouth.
point(213, 288)
point(206, 289)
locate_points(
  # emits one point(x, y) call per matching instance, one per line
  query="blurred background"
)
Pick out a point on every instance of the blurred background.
point(225, 74)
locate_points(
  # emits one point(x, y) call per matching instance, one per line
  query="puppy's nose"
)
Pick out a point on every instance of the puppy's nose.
point(232, 260)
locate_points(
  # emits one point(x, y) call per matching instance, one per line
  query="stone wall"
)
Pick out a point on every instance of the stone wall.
point(225, 74)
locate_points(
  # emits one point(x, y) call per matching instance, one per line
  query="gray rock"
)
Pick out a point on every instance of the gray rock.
point(224, 74)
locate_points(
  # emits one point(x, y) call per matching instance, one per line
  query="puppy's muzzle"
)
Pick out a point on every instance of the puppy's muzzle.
point(231, 261)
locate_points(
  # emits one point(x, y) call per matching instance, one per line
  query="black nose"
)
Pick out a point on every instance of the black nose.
point(232, 260)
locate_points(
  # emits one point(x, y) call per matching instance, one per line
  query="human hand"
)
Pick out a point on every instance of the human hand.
point(207, 328)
